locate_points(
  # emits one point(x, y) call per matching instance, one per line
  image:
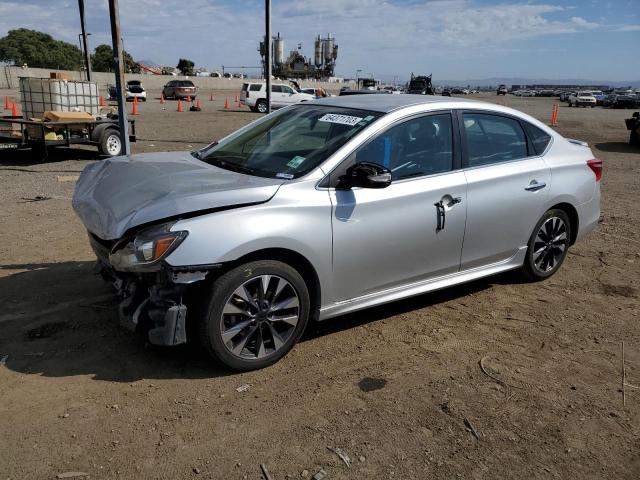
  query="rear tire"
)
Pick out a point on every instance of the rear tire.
point(548, 245)
point(261, 106)
point(254, 314)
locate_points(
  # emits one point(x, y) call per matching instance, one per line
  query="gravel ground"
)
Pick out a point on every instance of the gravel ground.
point(400, 388)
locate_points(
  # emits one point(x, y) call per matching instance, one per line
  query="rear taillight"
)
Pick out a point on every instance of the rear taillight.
point(596, 167)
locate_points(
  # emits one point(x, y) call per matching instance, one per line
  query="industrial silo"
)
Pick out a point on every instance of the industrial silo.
point(318, 52)
point(278, 50)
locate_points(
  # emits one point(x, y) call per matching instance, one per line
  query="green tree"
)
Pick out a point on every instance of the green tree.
point(185, 66)
point(102, 60)
point(39, 50)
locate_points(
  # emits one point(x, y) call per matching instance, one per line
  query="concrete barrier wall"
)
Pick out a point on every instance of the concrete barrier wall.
point(9, 79)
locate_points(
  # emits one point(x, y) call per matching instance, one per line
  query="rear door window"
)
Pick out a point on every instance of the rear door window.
point(493, 139)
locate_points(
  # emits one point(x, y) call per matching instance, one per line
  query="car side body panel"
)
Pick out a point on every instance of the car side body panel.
point(294, 219)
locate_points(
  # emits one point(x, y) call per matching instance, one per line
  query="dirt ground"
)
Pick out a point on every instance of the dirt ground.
point(400, 388)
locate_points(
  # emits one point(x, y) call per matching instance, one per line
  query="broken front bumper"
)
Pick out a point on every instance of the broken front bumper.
point(157, 309)
point(151, 302)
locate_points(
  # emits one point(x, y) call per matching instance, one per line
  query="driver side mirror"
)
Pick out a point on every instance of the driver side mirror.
point(367, 175)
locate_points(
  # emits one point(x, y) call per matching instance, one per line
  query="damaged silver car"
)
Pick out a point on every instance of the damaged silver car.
point(329, 207)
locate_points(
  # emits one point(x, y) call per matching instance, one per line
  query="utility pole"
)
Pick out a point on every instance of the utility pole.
point(118, 64)
point(267, 51)
point(87, 58)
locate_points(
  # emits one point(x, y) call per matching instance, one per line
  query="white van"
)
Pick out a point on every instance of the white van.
point(254, 95)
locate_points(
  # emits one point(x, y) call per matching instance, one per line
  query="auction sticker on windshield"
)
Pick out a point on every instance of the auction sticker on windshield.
point(295, 161)
point(341, 119)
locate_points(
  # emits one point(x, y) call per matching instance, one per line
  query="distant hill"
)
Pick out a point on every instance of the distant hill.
point(518, 81)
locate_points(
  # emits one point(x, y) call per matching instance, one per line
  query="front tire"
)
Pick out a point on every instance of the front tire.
point(548, 245)
point(254, 314)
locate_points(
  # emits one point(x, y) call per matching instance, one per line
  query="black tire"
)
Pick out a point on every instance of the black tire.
point(109, 145)
point(210, 314)
point(534, 272)
point(261, 106)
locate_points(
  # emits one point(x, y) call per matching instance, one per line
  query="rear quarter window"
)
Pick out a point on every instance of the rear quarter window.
point(255, 88)
point(539, 138)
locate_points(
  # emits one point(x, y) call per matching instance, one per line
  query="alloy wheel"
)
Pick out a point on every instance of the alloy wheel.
point(550, 244)
point(259, 317)
point(262, 107)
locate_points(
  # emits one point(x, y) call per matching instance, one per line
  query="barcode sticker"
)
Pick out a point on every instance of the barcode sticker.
point(341, 119)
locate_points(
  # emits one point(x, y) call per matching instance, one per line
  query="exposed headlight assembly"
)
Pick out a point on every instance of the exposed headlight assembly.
point(145, 252)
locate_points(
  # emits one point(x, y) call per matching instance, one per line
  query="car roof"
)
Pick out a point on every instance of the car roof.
point(386, 103)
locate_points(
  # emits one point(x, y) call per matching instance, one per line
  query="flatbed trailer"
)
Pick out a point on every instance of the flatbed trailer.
point(103, 133)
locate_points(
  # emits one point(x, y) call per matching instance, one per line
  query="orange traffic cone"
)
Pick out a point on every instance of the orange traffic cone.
point(211, 98)
point(189, 98)
point(102, 104)
point(14, 110)
point(162, 98)
point(135, 106)
point(554, 115)
point(7, 103)
point(179, 105)
point(237, 99)
point(226, 104)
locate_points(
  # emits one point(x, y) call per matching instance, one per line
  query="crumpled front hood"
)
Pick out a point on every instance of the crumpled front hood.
point(117, 194)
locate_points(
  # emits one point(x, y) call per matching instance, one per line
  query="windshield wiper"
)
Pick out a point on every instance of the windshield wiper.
point(234, 167)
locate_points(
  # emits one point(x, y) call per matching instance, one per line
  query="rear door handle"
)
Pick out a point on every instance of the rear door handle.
point(534, 186)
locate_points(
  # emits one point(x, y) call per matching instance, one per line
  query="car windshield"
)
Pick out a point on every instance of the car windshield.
point(289, 143)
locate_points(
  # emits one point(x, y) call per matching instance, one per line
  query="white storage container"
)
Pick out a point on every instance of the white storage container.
point(39, 95)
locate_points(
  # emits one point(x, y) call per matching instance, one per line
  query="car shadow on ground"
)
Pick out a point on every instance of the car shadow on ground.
point(29, 157)
point(617, 147)
point(60, 320)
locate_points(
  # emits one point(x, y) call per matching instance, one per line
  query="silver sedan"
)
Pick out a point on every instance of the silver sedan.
point(328, 207)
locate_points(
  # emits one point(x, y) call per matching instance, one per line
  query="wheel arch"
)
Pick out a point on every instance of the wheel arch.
point(572, 213)
point(293, 259)
point(96, 133)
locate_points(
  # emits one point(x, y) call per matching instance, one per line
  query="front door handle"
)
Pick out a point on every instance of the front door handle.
point(534, 186)
point(440, 215)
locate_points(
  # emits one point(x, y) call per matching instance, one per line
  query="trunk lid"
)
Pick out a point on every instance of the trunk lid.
point(117, 194)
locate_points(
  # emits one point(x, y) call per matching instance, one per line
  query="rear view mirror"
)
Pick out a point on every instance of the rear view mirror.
point(367, 175)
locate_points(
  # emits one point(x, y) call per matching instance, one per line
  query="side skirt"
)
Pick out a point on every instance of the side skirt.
point(418, 288)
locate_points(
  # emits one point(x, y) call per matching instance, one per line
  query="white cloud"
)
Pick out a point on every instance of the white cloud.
point(628, 28)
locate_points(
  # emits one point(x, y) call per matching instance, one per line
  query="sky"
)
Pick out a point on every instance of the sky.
point(453, 39)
